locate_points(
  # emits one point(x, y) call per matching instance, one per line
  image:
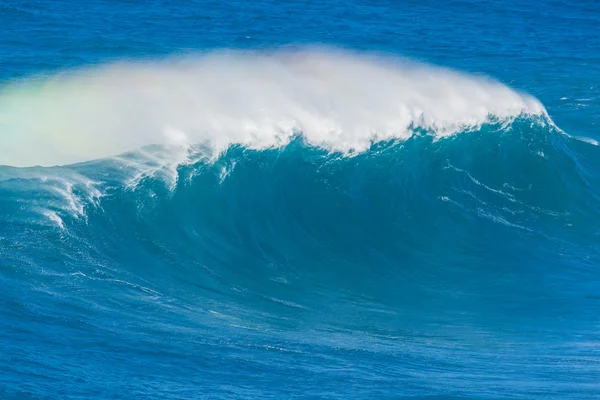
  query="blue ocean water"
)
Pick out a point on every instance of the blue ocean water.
point(299, 200)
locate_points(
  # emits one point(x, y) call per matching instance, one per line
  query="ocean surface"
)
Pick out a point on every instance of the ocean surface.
point(345, 199)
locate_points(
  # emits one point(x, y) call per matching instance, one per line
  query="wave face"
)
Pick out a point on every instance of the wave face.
point(282, 218)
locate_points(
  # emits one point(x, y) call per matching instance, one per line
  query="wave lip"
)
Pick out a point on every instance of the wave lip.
point(337, 100)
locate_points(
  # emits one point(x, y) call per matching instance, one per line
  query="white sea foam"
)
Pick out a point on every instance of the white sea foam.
point(586, 140)
point(54, 217)
point(338, 100)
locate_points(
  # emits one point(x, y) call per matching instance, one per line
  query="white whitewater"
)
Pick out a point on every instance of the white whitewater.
point(338, 100)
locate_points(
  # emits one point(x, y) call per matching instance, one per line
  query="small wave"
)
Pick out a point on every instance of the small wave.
point(53, 216)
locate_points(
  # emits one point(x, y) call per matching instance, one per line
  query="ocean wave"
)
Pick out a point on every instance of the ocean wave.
point(399, 251)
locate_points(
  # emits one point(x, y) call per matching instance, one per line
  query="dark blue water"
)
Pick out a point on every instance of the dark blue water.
point(266, 200)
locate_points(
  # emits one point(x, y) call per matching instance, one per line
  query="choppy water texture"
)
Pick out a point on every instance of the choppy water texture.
point(265, 200)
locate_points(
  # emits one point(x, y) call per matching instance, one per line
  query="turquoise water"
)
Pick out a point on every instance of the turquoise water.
point(265, 200)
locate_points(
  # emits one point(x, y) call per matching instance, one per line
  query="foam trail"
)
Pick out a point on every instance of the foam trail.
point(338, 100)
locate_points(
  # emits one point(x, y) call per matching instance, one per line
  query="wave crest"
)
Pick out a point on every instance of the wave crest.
point(339, 100)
